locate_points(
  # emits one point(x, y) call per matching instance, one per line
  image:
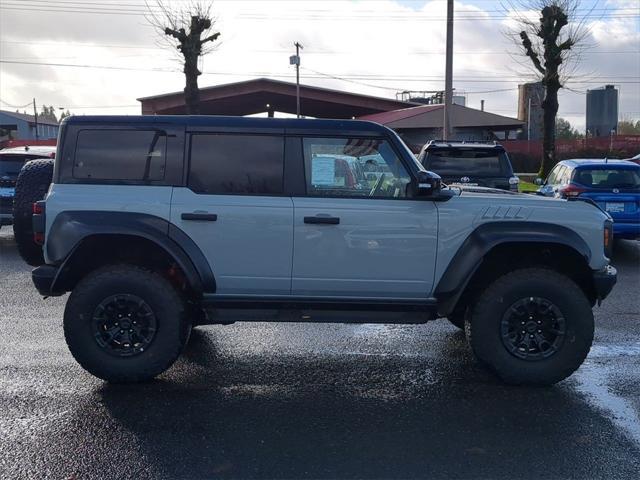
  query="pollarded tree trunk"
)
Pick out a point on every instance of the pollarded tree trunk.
point(550, 110)
point(553, 19)
point(190, 45)
point(191, 91)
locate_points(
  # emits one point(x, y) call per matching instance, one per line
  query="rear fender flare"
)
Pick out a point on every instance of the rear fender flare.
point(71, 228)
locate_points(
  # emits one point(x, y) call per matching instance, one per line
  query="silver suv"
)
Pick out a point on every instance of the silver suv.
point(158, 224)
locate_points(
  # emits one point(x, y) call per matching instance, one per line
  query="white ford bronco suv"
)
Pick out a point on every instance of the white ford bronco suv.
point(156, 224)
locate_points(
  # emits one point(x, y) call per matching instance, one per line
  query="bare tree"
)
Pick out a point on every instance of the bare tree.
point(188, 29)
point(552, 43)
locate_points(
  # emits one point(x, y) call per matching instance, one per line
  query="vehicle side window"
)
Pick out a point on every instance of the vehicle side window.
point(236, 164)
point(353, 167)
point(559, 174)
point(135, 155)
point(566, 176)
point(553, 175)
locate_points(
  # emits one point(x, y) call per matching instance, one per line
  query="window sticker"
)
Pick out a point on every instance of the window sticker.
point(323, 171)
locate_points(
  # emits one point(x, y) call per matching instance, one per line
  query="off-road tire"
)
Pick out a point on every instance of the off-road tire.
point(32, 185)
point(483, 326)
point(168, 306)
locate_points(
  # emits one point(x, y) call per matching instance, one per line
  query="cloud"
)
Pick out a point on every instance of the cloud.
point(380, 46)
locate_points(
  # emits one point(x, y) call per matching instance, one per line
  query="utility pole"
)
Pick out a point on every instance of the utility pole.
point(35, 117)
point(295, 60)
point(448, 82)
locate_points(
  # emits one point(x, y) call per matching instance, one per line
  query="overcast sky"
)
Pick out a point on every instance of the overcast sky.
point(374, 47)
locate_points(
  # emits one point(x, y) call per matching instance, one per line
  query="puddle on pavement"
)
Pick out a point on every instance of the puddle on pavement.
point(592, 381)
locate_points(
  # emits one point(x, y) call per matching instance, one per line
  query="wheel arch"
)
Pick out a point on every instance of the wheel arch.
point(79, 241)
point(494, 248)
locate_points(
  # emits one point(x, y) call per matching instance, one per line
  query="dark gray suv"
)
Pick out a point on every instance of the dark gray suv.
point(470, 164)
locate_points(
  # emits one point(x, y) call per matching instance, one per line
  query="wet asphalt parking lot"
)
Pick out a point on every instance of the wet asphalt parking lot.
point(314, 401)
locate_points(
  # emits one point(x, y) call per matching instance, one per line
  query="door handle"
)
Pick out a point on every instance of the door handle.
point(325, 220)
point(203, 217)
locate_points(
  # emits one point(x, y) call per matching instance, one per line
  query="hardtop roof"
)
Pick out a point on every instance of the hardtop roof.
point(230, 122)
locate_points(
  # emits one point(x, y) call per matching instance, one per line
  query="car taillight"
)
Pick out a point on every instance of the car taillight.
point(571, 190)
point(37, 208)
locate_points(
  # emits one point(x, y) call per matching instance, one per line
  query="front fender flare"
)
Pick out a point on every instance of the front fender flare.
point(486, 237)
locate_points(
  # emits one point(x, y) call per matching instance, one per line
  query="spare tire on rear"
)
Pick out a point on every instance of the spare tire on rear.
point(32, 185)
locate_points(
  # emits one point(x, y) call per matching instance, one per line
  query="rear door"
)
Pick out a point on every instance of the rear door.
point(615, 190)
point(233, 207)
point(354, 240)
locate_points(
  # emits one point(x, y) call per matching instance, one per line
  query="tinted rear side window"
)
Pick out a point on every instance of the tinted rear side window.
point(236, 164)
point(133, 155)
point(608, 178)
point(465, 162)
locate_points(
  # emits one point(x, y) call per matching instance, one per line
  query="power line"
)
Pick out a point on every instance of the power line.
point(16, 106)
point(279, 51)
point(370, 77)
point(101, 9)
point(74, 44)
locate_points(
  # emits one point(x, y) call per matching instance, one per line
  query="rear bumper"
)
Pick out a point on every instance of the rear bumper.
point(43, 278)
point(604, 280)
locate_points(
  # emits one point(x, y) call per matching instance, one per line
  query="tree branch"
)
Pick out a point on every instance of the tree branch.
point(210, 38)
point(528, 47)
point(179, 34)
point(566, 45)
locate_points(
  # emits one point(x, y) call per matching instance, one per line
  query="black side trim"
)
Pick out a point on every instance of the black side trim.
point(43, 278)
point(197, 257)
point(72, 227)
point(487, 236)
point(320, 303)
point(604, 280)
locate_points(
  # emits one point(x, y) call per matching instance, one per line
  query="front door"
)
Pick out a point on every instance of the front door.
point(234, 209)
point(356, 234)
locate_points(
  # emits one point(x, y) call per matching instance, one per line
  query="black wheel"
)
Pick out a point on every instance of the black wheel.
point(532, 326)
point(32, 185)
point(125, 324)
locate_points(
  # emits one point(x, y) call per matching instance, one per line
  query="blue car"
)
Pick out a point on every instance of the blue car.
point(613, 184)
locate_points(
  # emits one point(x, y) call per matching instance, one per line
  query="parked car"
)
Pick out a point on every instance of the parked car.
point(11, 162)
point(470, 164)
point(156, 224)
point(613, 184)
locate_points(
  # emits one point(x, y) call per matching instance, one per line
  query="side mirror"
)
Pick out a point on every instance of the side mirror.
point(427, 184)
point(539, 181)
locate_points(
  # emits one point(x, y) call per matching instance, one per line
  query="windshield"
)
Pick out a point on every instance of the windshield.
point(477, 162)
point(608, 178)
